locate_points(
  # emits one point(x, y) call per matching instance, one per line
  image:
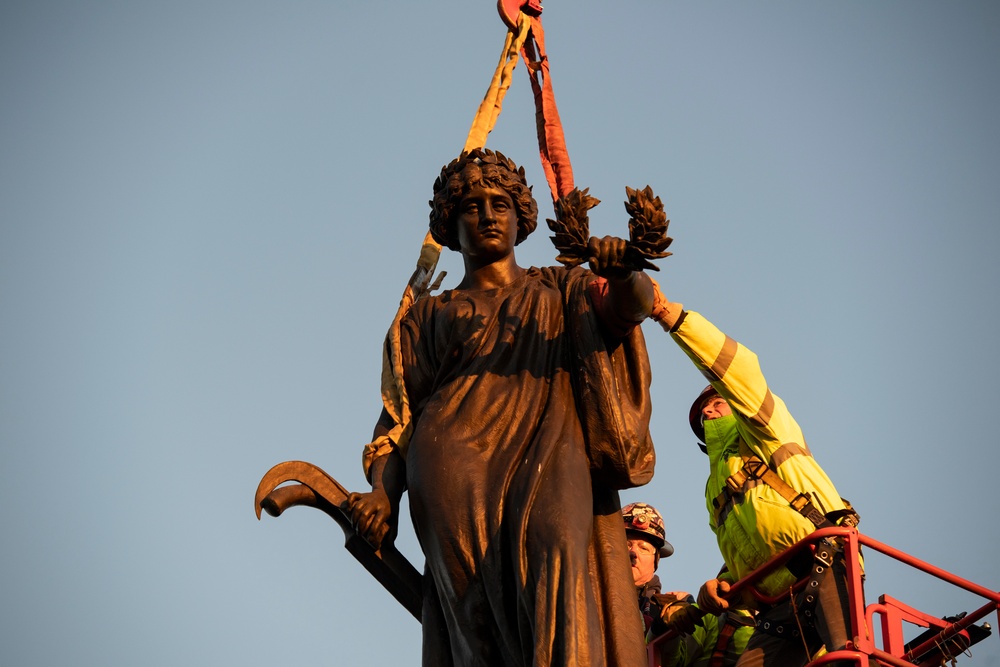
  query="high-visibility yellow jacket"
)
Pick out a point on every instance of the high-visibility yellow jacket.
point(763, 524)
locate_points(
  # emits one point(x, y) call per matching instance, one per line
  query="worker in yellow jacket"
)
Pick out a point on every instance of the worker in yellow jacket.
point(741, 424)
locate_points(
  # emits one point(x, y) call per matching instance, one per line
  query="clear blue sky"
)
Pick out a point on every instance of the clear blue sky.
point(208, 211)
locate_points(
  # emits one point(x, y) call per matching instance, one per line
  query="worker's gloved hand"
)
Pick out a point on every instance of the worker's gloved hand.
point(711, 596)
point(679, 596)
point(681, 617)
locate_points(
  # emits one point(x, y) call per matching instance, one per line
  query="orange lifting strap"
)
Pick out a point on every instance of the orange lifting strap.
point(551, 142)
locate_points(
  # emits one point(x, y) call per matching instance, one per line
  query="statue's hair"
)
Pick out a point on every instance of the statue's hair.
point(480, 166)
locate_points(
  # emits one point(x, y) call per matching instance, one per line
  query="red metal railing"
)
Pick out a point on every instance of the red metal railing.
point(890, 612)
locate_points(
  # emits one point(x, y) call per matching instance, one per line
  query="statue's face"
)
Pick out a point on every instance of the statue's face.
point(486, 222)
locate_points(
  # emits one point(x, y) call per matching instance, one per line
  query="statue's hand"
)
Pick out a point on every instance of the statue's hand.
point(374, 516)
point(607, 257)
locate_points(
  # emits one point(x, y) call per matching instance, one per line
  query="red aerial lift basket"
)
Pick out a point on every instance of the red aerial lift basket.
point(945, 638)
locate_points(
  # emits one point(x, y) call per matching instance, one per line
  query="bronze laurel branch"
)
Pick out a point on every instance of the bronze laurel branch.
point(571, 228)
point(647, 228)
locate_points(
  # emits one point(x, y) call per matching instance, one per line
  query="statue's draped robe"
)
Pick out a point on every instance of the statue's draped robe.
point(526, 556)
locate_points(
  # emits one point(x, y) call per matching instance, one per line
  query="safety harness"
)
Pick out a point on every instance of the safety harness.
point(726, 633)
point(754, 472)
point(723, 650)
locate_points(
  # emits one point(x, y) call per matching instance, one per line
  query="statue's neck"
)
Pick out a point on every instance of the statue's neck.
point(493, 275)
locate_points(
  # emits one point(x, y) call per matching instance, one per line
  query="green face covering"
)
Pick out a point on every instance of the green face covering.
point(721, 436)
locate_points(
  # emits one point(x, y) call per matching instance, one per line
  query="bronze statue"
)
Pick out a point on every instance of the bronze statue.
point(530, 408)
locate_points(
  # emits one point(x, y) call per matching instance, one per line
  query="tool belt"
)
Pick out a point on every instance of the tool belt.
point(755, 472)
point(827, 550)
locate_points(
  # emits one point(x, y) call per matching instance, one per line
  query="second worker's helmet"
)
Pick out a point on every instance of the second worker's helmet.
point(643, 518)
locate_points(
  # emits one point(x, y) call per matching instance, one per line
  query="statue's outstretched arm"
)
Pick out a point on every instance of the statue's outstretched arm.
point(630, 292)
